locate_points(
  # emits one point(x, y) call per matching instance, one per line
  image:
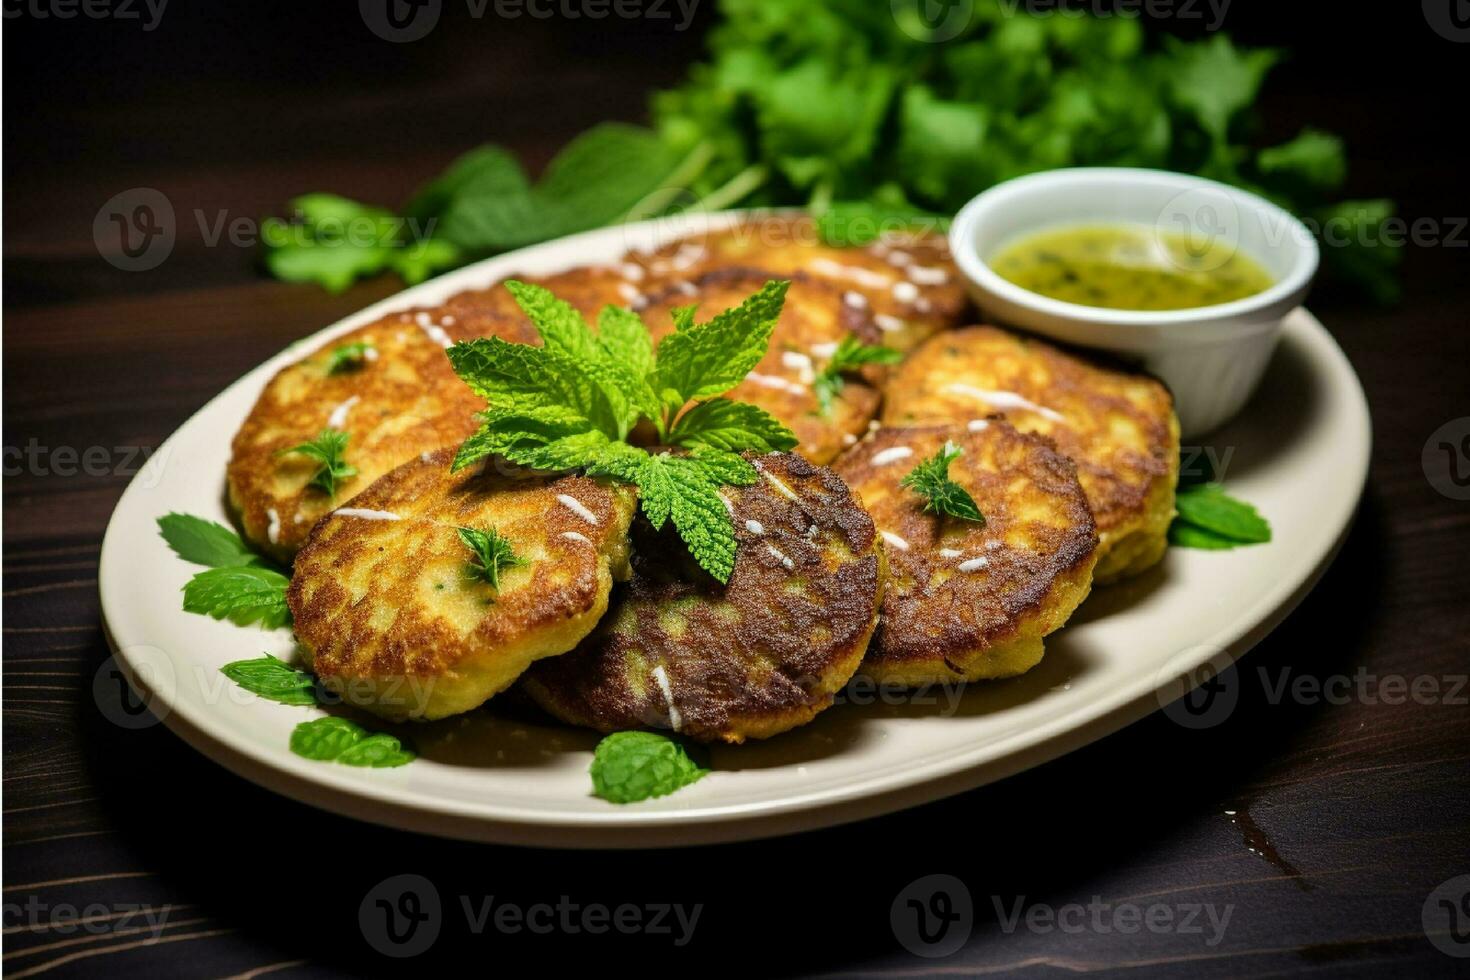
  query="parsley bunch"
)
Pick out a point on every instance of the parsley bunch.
point(870, 116)
point(573, 402)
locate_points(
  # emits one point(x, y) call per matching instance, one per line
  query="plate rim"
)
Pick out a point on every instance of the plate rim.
point(955, 772)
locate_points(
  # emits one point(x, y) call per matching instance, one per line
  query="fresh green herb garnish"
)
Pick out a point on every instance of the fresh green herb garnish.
point(205, 542)
point(273, 679)
point(328, 449)
point(930, 480)
point(333, 241)
point(243, 594)
point(1211, 519)
point(878, 122)
point(241, 586)
point(572, 402)
point(492, 552)
point(333, 739)
point(850, 355)
point(632, 766)
point(348, 357)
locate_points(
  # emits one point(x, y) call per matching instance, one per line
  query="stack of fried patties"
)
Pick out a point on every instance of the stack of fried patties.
point(609, 624)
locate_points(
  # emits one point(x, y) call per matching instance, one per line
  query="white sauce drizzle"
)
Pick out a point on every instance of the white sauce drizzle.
point(755, 527)
point(632, 271)
point(435, 332)
point(799, 362)
point(926, 275)
point(848, 439)
point(895, 540)
point(366, 514)
point(338, 418)
point(782, 488)
point(724, 500)
point(686, 287)
point(949, 553)
point(974, 564)
point(892, 455)
point(824, 349)
point(887, 322)
point(1004, 399)
point(575, 536)
point(905, 292)
point(853, 273)
point(660, 675)
point(855, 300)
point(780, 384)
point(978, 425)
point(370, 353)
point(577, 507)
point(629, 292)
point(273, 531)
point(781, 556)
point(899, 258)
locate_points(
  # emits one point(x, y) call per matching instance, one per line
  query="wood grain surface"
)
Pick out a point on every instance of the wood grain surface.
point(1321, 827)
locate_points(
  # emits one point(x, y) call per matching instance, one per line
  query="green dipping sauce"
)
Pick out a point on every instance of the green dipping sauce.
point(1129, 267)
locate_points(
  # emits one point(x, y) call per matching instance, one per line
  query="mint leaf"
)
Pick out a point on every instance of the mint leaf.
point(328, 449)
point(243, 594)
point(1184, 535)
point(850, 355)
point(492, 553)
point(632, 766)
point(1215, 80)
point(205, 542)
point(273, 679)
point(625, 341)
point(323, 739)
point(702, 360)
point(347, 357)
point(518, 377)
point(685, 489)
point(930, 480)
point(536, 431)
point(378, 751)
point(732, 426)
point(1313, 161)
point(337, 739)
point(724, 467)
point(1208, 507)
point(419, 260)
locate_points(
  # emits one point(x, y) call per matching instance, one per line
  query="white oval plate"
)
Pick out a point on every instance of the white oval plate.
point(1299, 453)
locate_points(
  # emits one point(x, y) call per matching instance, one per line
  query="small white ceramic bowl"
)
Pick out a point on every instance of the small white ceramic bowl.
point(1211, 357)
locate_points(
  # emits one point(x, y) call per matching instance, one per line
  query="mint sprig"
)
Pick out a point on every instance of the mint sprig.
point(850, 355)
point(329, 450)
point(572, 403)
point(1210, 519)
point(632, 766)
point(347, 357)
point(241, 586)
point(492, 552)
point(334, 739)
point(943, 496)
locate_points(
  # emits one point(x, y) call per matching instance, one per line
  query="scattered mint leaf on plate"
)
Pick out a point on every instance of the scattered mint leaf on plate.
point(243, 594)
point(205, 542)
point(273, 679)
point(334, 739)
point(632, 766)
point(1210, 518)
point(930, 480)
point(850, 355)
point(329, 450)
point(493, 553)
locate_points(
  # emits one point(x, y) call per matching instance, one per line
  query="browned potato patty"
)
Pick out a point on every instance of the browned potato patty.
point(588, 288)
point(908, 282)
point(813, 321)
point(968, 600)
point(393, 618)
point(750, 659)
point(400, 399)
point(1118, 426)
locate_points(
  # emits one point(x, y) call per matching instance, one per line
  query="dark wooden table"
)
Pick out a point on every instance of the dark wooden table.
point(1322, 828)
